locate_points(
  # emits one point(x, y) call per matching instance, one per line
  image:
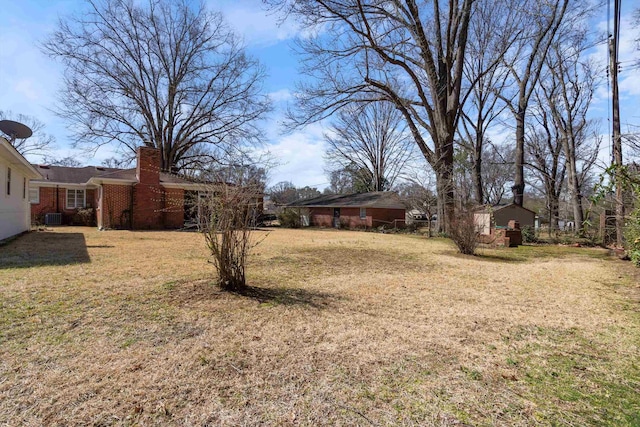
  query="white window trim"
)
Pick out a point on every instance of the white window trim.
point(36, 200)
point(75, 199)
point(363, 211)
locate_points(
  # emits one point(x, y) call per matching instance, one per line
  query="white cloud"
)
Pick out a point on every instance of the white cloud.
point(299, 158)
point(630, 85)
point(25, 87)
point(258, 26)
point(282, 95)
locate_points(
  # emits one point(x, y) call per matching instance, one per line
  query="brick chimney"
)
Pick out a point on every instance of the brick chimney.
point(148, 196)
point(148, 165)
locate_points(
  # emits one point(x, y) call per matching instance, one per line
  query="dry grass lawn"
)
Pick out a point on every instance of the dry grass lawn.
point(339, 328)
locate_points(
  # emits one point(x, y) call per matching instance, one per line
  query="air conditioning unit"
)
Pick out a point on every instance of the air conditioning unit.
point(53, 219)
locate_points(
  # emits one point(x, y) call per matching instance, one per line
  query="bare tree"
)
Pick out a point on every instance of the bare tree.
point(68, 161)
point(370, 138)
point(497, 168)
point(406, 52)
point(38, 144)
point(159, 73)
point(568, 91)
point(282, 193)
point(545, 158)
point(229, 213)
point(340, 182)
point(418, 196)
point(540, 21)
point(493, 30)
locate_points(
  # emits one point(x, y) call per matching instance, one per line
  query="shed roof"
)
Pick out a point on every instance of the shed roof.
point(495, 208)
point(375, 199)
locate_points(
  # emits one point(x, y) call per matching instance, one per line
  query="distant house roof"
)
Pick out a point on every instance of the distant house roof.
point(79, 176)
point(377, 199)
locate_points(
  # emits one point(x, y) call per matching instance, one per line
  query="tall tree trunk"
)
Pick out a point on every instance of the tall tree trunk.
point(554, 210)
point(574, 186)
point(477, 170)
point(444, 185)
point(518, 186)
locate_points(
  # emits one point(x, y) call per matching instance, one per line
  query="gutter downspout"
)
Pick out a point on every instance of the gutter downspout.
point(131, 208)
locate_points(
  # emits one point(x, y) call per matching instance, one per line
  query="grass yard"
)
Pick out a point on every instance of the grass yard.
point(339, 328)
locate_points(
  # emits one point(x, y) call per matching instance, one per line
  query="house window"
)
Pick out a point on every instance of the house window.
point(24, 188)
point(8, 181)
point(363, 213)
point(34, 195)
point(75, 198)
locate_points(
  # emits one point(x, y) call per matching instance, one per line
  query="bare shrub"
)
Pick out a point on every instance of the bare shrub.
point(228, 213)
point(464, 233)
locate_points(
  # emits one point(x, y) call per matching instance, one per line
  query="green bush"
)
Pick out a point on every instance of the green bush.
point(529, 234)
point(289, 218)
point(632, 237)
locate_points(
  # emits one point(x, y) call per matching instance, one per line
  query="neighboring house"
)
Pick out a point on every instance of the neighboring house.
point(139, 198)
point(15, 173)
point(360, 210)
point(500, 215)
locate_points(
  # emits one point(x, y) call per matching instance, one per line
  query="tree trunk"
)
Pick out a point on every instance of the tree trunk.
point(574, 188)
point(477, 170)
point(554, 210)
point(444, 186)
point(518, 185)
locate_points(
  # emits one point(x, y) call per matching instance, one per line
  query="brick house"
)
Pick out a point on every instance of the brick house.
point(140, 198)
point(360, 210)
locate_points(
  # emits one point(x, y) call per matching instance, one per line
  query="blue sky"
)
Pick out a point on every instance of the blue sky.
point(30, 80)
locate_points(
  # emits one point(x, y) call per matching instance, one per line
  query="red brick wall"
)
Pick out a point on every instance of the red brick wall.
point(164, 208)
point(321, 217)
point(116, 206)
point(350, 217)
point(173, 208)
point(147, 206)
point(147, 194)
point(48, 204)
point(391, 217)
point(148, 165)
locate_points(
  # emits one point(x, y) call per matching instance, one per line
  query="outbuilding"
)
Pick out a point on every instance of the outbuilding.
point(500, 215)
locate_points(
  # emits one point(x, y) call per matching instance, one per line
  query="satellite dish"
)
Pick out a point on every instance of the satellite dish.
point(15, 130)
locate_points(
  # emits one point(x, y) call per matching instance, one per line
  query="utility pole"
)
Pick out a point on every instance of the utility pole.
point(617, 140)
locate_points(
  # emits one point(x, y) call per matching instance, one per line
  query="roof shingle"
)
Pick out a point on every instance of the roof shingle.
point(375, 199)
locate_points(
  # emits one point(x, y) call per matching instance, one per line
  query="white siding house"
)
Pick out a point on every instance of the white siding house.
point(15, 173)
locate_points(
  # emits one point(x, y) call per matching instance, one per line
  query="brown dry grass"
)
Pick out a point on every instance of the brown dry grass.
point(339, 328)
